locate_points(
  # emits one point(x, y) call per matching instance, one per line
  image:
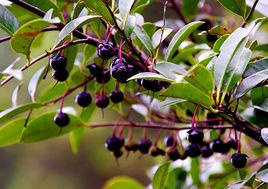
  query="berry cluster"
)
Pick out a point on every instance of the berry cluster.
point(58, 63)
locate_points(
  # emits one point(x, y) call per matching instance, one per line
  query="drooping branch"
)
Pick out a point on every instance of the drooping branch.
point(250, 13)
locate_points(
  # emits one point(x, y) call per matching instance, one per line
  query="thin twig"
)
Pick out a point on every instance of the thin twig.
point(250, 13)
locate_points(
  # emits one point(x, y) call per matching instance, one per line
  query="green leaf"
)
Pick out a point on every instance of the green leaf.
point(35, 80)
point(157, 36)
point(189, 7)
point(11, 112)
point(89, 52)
point(259, 97)
point(217, 45)
point(170, 101)
point(200, 77)
point(100, 8)
point(195, 171)
point(8, 22)
point(43, 127)
point(75, 138)
point(144, 38)
point(160, 177)
point(140, 6)
point(130, 25)
point(80, 5)
point(250, 82)
point(150, 75)
point(72, 25)
point(124, 8)
point(51, 92)
point(15, 95)
point(264, 134)
point(23, 37)
point(70, 54)
point(179, 37)
point(257, 67)
point(263, 175)
point(10, 133)
point(122, 182)
point(236, 6)
point(170, 70)
point(176, 179)
point(188, 92)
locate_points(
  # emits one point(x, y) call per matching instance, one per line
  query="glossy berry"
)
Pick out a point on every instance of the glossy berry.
point(94, 69)
point(217, 146)
point(144, 145)
point(105, 51)
point(131, 147)
point(60, 75)
point(239, 160)
point(152, 85)
point(232, 144)
point(169, 141)
point(102, 101)
point(156, 151)
point(104, 76)
point(58, 62)
point(195, 136)
point(226, 148)
point(206, 151)
point(114, 143)
point(172, 153)
point(118, 154)
point(212, 38)
point(193, 150)
point(62, 119)
point(131, 70)
point(116, 96)
point(83, 99)
point(205, 26)
point(118, 70)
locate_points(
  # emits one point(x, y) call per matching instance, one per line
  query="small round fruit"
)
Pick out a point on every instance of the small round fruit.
point(212, 38)
point(232, 144)
point(58, 62)
point(152, 85)
point(144, 145)
point(239, 160)
point(156, 151)
point(193, 150)
point(60, 75)
point(105, 51)
point(206, 151)
point(131, 147)
point(205, 26)
point(172, 153)
point(118, 70)
point(114, 143)
point(83, 99)
point(104, 76)
point(131, 70)
point(102, 101)
point(217, 146)
point(94, 69)
point(118, 154)
point(62, 119)
point(169, 141)
point(195, 136)
point(117, 96)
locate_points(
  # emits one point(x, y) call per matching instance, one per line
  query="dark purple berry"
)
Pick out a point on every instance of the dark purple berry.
point(114, 143)
point(206, 151)
point(205, 26)
point(144, 145)
point(232, 144)
point(195, 136)
point(60, 75)
point(156, 151)
point(152, 85)
point(169, 141)
point(193, 150)
point(239, 160)
point(131, 147)
point(104, 76)
point(212, 38)
point(58, 62)
point(105, 51)
point(118, 154)
point(217, 146)
point(94, 69)
point(102, 101)
point(173, 153)
point(131, 70)
point(62, 119)
point(119, 70)
point(117, 96)
point(83, 99)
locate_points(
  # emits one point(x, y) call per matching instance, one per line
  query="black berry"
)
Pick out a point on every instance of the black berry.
point(156, 151)
point(105, 51)
point(102, 101)
point(212, 38)
point(62, 119)
point(232, 144)
point(239, 160)
point(206, 151)
point(104, 76)
point(152, 85)
point(195, 136)
point(131, 147)
point(205, 26)
point(193, 150)
point(58, 62)
point(169, 141)
point(117, 96)
point(118, 154)
point(118, 70)
point(131, 70)
point(144, 145)
point(114, 143)
point(94, 69)
point(83, 99)
point(217, 146)
point(60, 75)
point(172, 153)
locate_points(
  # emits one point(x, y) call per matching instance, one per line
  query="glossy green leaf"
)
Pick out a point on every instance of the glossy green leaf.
point(8, 22)
point(11, 112)
point(52, 91)
point(15, 95)
point(23, 37)
point(89, 52)
point(122, 182)
point(140, 6)
point(170, 101)
point(264, 134)
point(160, 177)
point(35, 80)
point(124, 8)
point(259, 97)
point(72, 25)
point(217, 45)
point(263, 175)
point(130, 25)
point(179, 37)
point(176, 178)
point(43, 127)
point(184, 90)
point(80, 5)
point(70, 54)
point(170, 70)
point(236, 6)
point(144, 38)
point(258, 66)
point(10, 133)
point(150, 75)
point(100, 8)
point(195, 171)
point(156, 39)
point(75, 138)
point(189, 7)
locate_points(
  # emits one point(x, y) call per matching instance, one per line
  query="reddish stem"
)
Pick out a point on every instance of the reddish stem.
point(193, 118)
